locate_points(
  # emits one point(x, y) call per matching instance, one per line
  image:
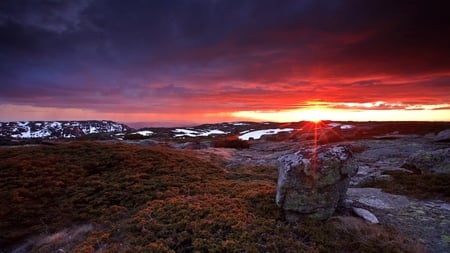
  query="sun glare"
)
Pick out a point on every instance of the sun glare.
point(320, 113)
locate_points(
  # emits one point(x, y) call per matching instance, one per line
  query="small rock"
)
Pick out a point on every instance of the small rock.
point(443, 136)
point(375, 198)
point(385, 178)
point(366, 215)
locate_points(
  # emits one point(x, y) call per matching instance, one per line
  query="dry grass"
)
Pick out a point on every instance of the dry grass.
point(376, 238)
point(141, 199)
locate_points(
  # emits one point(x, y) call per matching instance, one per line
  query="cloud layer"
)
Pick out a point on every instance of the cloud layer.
point(204, 57)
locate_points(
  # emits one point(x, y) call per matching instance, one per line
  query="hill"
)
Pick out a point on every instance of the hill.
point(59, 129)
point(98, 197)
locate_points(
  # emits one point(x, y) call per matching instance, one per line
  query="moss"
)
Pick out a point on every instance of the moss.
point(445, 239)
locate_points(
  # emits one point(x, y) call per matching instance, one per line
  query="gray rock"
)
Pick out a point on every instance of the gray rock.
point(313, 182)
point(427, 162)
point(427, 220)
point(443, 136)
point(366, 215)
point(369, 176)
point(374, 198)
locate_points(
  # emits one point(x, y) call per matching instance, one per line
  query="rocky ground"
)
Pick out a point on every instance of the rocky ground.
point(428, 220)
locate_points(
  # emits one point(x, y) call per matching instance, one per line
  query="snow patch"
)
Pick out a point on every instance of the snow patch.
point(346, 127)
point(144, 132)
point(333, 125)
point(196, 133)
point(239, 124)
point(185, 132)
point(56, 124)
point(93, 130)
point(210, 132)
point(257, 134)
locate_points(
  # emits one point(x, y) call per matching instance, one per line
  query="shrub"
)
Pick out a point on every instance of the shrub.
point(231, 143)
point(135, 137)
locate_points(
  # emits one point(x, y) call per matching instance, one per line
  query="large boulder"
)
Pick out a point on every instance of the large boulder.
point(428, 162)
point(313, 182)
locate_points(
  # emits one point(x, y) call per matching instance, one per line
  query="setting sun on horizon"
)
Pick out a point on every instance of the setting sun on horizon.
point(316, 114)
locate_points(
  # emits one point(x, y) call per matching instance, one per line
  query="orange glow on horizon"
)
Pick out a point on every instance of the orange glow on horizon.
point(366, 112)
point(314, 112)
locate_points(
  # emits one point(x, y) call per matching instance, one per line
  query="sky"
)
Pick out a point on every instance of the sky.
point(204, 61)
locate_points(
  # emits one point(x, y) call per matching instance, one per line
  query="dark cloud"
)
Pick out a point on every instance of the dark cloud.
point(52, 15)
point(247, 54)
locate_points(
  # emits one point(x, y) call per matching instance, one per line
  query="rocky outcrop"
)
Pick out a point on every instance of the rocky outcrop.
point(426, 162)
point(428, 220)
point(313, 182)
point(443, 136)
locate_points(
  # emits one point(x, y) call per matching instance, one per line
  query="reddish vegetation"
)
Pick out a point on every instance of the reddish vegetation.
point(231, 143)
point(142, 199)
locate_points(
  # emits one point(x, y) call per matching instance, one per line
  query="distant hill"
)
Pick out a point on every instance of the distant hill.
point(59, 129)
point(32, 132)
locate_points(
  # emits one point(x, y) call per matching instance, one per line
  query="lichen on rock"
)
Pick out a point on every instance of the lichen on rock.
point(427, 162)
point(312, 182)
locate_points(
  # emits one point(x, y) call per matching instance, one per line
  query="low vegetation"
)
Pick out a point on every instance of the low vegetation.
point(135, 136)
point(420, 186)
point(94, 197)
point(231, 143)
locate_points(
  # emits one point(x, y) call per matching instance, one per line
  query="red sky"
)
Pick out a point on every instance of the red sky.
point(173, 62)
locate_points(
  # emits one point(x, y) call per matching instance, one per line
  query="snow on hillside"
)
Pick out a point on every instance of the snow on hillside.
point(334, 124)
point(258, 133)
point(144, 132)
point(181, 132)
point(58, 129)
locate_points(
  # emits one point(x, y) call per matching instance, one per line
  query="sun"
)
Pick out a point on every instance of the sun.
point(316, 121)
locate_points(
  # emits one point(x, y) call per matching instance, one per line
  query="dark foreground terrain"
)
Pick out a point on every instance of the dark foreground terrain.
point(211, 188)
point(103, 197)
